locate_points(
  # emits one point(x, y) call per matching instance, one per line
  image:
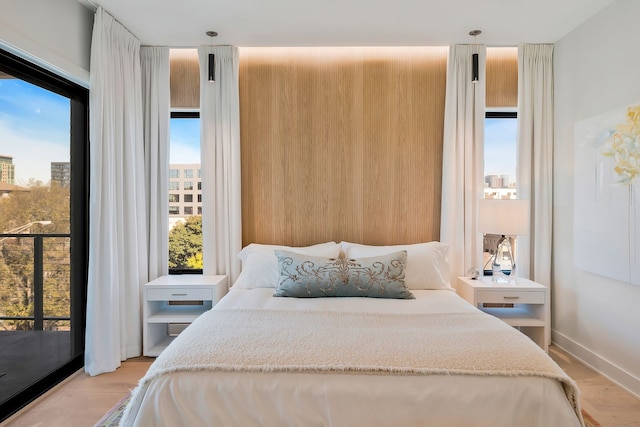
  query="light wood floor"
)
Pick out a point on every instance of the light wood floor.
point(606, 402)
point(83, 400)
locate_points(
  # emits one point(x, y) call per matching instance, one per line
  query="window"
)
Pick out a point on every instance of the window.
point(199, 210)
point(43, 145)
point(199, 176)
point(500, 146)
point(174, 198)
point(174, 185)
point(174, 210)
point(174, 173)
point(199, 198)
point(185, 233)
point(199, 185)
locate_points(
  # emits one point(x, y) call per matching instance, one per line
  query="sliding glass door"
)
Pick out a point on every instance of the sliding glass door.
point(43, 230)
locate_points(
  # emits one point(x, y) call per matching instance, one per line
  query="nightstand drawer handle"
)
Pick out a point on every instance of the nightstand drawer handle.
point(511, 297)
point(178, 295)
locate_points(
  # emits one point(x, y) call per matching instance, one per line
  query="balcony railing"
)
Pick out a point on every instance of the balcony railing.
point(50, 265)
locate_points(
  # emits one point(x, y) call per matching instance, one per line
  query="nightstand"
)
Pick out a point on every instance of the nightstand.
point(172, 302)
point(523, 305)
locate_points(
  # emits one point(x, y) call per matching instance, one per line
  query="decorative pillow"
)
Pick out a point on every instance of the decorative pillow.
point(260, 265)
point(427, 265)
point(306, 276)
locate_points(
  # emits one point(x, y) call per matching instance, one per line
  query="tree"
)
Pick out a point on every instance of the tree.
point(185, 243)
point(37, 203)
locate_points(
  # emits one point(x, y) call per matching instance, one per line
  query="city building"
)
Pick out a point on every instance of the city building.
point(61, 173)
point(493, 181)
point(185, 192)
point(499, 187)
point(7, 170)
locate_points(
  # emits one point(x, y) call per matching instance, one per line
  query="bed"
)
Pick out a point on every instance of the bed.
point(426, 357)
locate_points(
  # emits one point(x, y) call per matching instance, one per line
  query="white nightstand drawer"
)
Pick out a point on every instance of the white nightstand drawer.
point(179, 294)
point(512, 297)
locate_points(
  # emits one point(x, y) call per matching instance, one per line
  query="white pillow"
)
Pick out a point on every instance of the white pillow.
point(427, 265)
point(260, 265)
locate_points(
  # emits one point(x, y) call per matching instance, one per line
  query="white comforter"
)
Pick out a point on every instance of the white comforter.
point(253, 383)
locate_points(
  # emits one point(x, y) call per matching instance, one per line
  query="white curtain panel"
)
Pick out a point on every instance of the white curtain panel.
point(117, 225)
point(220, 148)
point(154, 63)
point(462, 158)
point(535, 158)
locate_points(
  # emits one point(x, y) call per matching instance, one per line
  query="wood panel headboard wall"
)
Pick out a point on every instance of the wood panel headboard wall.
point(184, 76)
point(341, 144)
point(502, 77)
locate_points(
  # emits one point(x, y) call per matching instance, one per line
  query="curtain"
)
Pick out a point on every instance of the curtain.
point(220, 151)
point(154, 62)
point(462, 159)
point(117, 226)
point(535, 158)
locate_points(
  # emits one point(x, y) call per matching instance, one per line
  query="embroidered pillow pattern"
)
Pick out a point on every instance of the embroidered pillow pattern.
point(304, 276)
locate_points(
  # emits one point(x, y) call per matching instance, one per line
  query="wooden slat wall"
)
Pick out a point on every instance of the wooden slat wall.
point(502, 77)
point(184, 78)
point(341, 144)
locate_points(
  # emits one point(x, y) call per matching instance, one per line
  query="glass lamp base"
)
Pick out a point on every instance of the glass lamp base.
point(504, 261)
point(497, 275)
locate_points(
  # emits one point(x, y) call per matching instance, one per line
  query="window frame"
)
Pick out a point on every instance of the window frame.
point(500, 114)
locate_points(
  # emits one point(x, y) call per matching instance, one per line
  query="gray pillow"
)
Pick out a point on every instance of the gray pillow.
point(305, 276)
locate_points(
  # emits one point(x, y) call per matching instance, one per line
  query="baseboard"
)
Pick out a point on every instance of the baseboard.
point(597, 363)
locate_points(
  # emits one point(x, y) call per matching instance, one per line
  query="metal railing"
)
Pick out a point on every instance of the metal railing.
point(39, 272)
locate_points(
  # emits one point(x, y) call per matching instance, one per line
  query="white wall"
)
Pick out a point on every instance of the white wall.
point(596, 70)
point(53, 34)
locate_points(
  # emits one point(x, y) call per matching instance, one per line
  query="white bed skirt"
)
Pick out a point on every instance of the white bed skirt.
point(301, 399)
point(220, 398)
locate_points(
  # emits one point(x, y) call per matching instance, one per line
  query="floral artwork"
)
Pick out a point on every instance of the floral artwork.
point(624, 147)
point(607, 178)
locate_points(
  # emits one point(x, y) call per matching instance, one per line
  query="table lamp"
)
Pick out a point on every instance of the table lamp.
point(507, 218)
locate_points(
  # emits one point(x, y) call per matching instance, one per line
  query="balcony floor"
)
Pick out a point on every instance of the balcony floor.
point(27, 356)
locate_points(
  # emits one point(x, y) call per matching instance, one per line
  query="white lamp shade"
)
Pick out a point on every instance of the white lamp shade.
point(508, 217)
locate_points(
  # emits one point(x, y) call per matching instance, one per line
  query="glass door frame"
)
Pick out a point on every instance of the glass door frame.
point(79, 215)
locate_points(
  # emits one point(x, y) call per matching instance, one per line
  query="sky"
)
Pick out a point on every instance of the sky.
point(34, 129)
point(500, 137)
point(185, 141)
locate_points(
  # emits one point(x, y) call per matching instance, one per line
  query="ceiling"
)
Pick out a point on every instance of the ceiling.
point(183, 23)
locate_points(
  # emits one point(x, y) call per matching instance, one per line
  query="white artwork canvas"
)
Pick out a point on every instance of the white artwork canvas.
point(606, 194)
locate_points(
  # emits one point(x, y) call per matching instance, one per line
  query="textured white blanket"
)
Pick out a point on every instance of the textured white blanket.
point(470, 343)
